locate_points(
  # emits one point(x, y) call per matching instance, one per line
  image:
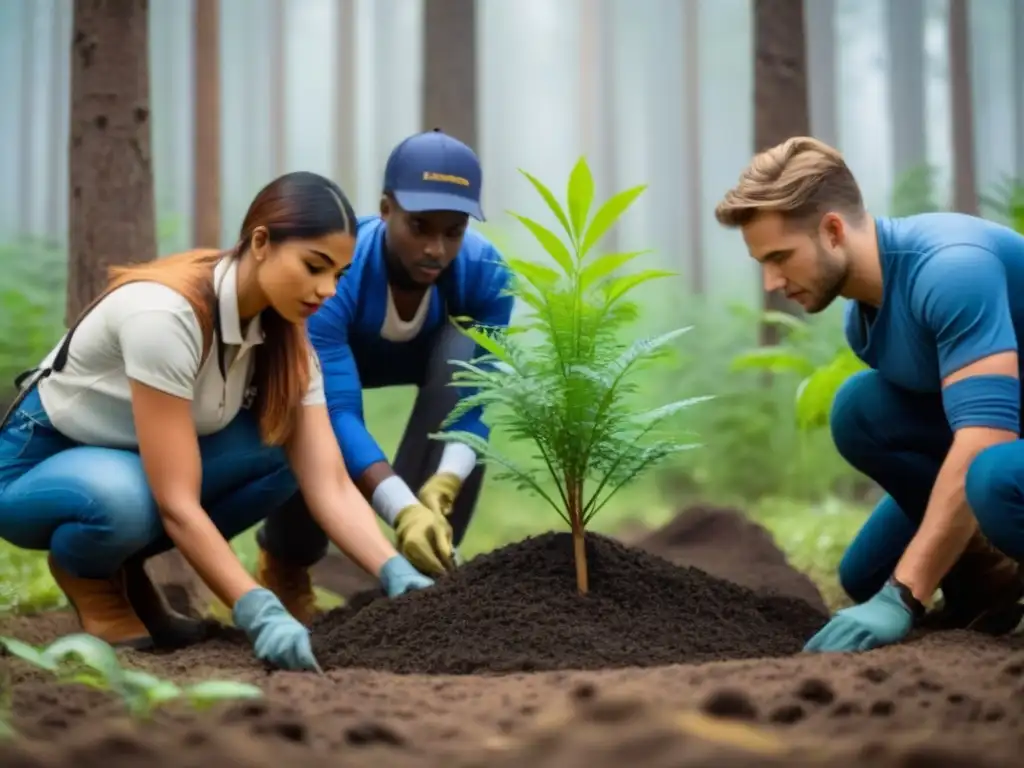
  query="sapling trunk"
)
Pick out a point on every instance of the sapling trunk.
point(579, 549)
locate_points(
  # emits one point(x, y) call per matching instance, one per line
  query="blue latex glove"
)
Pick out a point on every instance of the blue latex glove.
point(882, 620)
point(397, 576)
point(276, 635)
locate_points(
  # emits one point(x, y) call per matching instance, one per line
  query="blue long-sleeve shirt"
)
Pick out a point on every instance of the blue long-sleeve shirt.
point(953, 294)
point(346, 333)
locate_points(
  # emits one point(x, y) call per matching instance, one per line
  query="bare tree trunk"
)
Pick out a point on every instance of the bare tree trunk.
point(56, 189)
point(822, 81)
point(206, 230)
point(965, 185)
point(781, 108)
point(597, 108)
point(692, 173)
point(26, 171)
point(278, 73)
point(449, 68)
point(345, 98)
point(111, 210)
point(1018, 85)
point(906, 84)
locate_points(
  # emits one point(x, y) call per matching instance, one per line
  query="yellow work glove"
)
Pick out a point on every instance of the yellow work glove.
point(425, 539)
point(439, 492)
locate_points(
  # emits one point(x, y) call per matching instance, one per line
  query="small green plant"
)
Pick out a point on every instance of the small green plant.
point(570, 390)
point(820, 379)
point(1006, 203)
point(87, 660)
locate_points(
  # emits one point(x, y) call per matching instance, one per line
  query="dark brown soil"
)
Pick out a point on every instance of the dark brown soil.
point(944, 701)
point(517, 610)
point(727, 544)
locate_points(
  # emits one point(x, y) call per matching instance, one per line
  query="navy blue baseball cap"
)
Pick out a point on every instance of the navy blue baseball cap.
point(432, 171)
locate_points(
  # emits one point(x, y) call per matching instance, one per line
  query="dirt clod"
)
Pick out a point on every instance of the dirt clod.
point(732, 704)
point(816, 691)
point(517, 610)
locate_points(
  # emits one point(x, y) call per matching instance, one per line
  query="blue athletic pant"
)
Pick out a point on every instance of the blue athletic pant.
point(899, 439)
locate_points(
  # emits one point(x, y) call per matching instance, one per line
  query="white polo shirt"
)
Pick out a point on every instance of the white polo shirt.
point(149, 332)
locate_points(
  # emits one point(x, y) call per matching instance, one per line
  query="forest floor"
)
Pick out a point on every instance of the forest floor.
point(685, 652)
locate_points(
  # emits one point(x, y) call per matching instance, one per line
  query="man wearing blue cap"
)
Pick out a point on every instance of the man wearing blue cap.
point(416, 266)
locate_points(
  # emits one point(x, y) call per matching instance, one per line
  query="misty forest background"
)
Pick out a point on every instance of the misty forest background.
point(924, 97)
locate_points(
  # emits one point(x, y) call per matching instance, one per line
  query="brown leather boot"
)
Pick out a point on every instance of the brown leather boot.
point(103, 608)
point(292, 585)
point(983, 592)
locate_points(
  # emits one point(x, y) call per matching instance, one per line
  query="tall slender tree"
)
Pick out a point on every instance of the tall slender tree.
point(206, 228)
point(111, 209)
point(781, 107)
point(57, 139)
point(1018, 86)
point(965, 183)
point(278, 94)
point(449, 68)
point(692, 174)
point(345, 97)
point(820, 17)
point(27, 184)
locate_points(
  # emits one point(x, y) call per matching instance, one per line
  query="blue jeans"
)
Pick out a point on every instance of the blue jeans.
point(899, 439)
point(91, 507)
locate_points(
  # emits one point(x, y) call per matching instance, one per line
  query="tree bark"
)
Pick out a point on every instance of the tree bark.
point(449, 68)
point(56, 228)
point(906, 84)
point(822, 82)
point(781, 108)
point(965, 184)
point(206, 229)
point(26, 171)
point(345, 171)
point(278, 94)
point(111, 209)
point(692, 173)
point(1018, 86)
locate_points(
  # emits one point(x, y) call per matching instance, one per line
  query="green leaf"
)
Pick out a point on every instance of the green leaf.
point(581, 196)
point(792, 323)
point(553, 204)
point(555, 248)
point(145, 691)
point(817, 392)
point(205, 694)
point(488, 343)
point(603, 266)
point(620, 286)
point(775, 359)
point(89, 651)
point(31, 654)
point(541, 277)
point(609, 212)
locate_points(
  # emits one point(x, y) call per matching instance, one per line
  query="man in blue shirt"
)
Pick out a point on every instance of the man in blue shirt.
point(416, 267)
point(936, 310)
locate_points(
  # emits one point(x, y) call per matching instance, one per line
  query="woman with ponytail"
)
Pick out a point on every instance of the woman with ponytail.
point(184, 405)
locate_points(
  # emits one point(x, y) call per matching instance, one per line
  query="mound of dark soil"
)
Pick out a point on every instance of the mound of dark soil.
point(727, 544)
point(517, 609)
